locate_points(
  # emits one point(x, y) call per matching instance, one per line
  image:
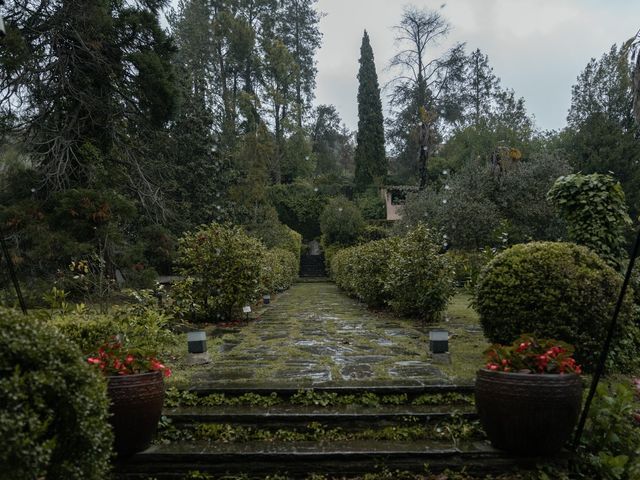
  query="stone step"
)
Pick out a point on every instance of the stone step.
point(411, 389)
point(353, 417)
point(300, 459)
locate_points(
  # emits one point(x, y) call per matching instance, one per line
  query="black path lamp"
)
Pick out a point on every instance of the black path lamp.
point(634, 42)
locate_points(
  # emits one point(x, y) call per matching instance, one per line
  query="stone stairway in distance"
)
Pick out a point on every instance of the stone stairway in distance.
point(332, 431)
point(312, 266)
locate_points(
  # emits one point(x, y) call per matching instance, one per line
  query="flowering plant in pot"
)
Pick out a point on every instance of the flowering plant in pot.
point(136, 390)
point(529, 395)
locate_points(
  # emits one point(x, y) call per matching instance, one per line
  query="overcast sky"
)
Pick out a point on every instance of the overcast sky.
point(536, 47)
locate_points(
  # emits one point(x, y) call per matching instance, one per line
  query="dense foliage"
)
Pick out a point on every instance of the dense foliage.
point(280, 269)
point(362, 270)
point(601, 133)
point(221, 270)
point(420, 277)
point(53, 407)
point(610, 445)
point(556, 290)
point(594, 209)
point(142, 326)
point(410, 274)
point(480, 205)
point(299, 206)
point(341, 222)
point(224, 269)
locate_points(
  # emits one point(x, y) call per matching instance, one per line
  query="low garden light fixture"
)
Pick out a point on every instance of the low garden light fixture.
point(439, 341)
point(266, 299)
point(246, 310)
point(197, 342)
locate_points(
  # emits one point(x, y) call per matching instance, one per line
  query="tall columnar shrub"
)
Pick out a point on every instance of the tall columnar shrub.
point(420, 276)
point(53, 406)
point(556, 290)
point(222, 269)
point(595, 211)
point(370, 156)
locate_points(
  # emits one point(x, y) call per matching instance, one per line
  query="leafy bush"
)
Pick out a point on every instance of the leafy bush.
point(53, 406)
point(276, 235)
point(610, 446)
point(407, 273)
point(280, 269)
point(468, 265)
point(595, 211)
point(299, 206)
point(362, 270)
point(480, 200)
point(222, 269)
point(372, 206)
point(556, 290)
point(341, 222)
point(142, 327)
point(373, 232)
point(420, 277)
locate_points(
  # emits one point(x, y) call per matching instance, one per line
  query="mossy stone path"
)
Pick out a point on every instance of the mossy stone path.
point(314, 335)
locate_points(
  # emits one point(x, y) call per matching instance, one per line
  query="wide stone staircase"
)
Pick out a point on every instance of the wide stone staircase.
point(333, 431)
point(312, 266)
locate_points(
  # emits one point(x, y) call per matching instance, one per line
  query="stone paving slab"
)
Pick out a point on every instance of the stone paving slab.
point(313, 335)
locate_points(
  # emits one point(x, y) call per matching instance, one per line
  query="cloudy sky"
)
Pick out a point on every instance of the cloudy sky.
point(536, 47)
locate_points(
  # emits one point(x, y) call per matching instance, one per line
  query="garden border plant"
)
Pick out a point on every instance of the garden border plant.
point(557, 290)
point(53, 406)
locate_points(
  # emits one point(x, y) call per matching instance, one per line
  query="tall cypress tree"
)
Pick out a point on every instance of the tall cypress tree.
point(370, 157)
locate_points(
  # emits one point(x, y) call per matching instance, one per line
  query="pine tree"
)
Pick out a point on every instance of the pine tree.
point(370, 157)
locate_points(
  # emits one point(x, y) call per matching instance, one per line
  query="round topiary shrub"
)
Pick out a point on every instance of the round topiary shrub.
point(53, 406)
point(556, 290)
point(221, 268)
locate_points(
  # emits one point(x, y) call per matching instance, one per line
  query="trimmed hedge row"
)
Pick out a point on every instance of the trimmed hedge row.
point(408, 274)
point(557, 290)
point(224, 269)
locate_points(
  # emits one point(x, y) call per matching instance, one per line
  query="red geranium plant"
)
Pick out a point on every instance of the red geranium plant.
point(113, 358)
point(530, 355)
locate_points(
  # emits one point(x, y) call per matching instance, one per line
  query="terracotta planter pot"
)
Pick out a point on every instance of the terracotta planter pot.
point(136, 407)
point(528, 414)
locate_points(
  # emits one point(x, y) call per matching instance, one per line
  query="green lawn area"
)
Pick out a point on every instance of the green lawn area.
point(466, 342)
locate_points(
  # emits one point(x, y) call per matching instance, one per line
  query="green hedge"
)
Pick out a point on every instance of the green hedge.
point(557, 290)
point(408, 273)
point(221, 268)
point(280, 270)
point(362, 270)
point(420, 277)
point(53, 406)
point(224, 269)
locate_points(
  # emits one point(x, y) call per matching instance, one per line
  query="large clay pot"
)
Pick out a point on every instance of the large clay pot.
point(528, 414)
point(136, 407)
